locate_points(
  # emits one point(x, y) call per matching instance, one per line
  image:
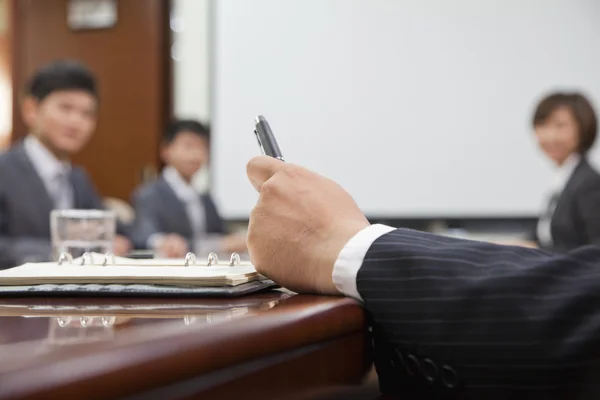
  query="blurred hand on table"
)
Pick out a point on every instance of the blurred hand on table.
point(234, 243)
point(171, 245)
point(121, 246)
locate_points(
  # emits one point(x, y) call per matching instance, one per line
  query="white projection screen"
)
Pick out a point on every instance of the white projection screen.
point(419, 108)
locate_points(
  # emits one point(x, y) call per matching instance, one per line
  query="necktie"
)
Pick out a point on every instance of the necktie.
point(195, 213)
point(62, 191)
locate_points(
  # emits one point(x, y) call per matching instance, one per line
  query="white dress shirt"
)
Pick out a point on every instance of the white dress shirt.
point(351, 258)
point(563, 174)
point(53, 172)
point(190, 197)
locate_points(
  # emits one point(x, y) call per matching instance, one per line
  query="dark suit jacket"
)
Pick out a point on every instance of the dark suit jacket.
point(576, 219)
point(159, 210)
point(25, 207)
point(461, 319)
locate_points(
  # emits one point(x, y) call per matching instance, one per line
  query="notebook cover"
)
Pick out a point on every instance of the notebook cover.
point(134, 290)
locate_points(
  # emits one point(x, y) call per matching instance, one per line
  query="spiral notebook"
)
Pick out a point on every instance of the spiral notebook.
point(106, 274)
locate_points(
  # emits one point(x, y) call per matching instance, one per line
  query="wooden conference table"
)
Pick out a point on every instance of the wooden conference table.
point(269, 345)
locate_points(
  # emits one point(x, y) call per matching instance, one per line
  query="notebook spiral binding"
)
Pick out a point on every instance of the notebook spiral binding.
point(109, 259)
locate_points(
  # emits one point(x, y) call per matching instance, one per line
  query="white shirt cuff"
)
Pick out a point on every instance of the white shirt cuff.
point(351, 258)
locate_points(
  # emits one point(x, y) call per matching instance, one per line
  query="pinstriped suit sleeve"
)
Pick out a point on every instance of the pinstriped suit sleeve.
point(484, 318)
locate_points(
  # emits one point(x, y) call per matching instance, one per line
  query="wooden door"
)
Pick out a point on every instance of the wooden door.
point(5, 74)
point(132, 63)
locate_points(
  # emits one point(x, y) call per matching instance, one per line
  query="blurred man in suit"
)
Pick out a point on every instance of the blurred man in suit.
point(172, 216)
point(60, 110)
point(451, 318)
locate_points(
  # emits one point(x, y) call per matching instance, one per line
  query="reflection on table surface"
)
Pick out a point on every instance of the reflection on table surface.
point(265, 344)
point(37, 327)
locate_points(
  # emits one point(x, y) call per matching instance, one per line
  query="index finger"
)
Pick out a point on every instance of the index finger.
point(260, 169)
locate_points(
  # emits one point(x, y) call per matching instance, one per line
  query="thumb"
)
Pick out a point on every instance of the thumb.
point(260, 169)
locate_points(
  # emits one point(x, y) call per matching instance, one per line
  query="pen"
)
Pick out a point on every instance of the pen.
point(266, 139)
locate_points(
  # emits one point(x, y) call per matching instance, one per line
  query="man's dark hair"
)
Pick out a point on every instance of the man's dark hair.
point(185, 125)
point(61, 75)
point(582, 111)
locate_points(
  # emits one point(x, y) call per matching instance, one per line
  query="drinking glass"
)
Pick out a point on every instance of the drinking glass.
point(79, 231)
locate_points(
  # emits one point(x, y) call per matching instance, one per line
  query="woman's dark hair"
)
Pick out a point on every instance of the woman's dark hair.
point(582, 111)
point(61, 75)
point(185, 125)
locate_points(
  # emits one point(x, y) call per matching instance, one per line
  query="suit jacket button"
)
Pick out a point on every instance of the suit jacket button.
point(413, 365)
point(429, 370)
point(397, 359)
point(449, 377)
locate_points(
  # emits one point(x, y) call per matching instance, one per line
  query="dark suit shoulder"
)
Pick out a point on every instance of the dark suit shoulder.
point(6, 161)
point(12, 155)
point(5, 157)
point(80, 172)
point(586, 177)
point(15, 166)
point(81, 178)
point(148, 190)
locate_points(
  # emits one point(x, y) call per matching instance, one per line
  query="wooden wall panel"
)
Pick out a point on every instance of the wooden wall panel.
point(5, 74)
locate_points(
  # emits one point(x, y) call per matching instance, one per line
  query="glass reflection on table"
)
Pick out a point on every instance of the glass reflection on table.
point(69, 321)
point(72, 330)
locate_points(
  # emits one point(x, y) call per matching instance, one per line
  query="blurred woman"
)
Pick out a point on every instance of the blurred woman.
point(565, 125)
